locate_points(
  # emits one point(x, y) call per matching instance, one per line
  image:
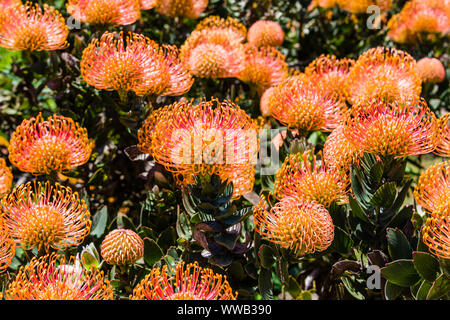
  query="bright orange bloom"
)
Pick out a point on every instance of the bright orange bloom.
point(436, 232)
point(8, 3)
point(300, 102)
point(443, 146)
point(420, 18)
point(105, 12)
point(393, 129)
point(433, 188)
point(383, 74)
point(191, 9)
point(148, 4)
point(135, 64)
point(7, 247)
point(339, 152)
point(326, 4)
point(122, 247)
point(6, 178)
point(28, 27)
point(431, 70)
point(265, 33)
point(209, 138)
point(360, 6)
point(214, 49)
point(52, 277)
point(332, 74)
point(42, 147)
point(40, 215)
point(303, 226)
point(264, 105)
point(263, 67)
point(300, 178)
point(190, 282)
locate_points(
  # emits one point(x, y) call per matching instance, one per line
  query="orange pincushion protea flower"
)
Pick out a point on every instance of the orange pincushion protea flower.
point(436, 232)
point(40, 215)
point(300, 102)
point(309, 181)
point(209, 138)
point(433, 188)
point(122, 247)
point(52, 277)
point(191, 9)
point(326, 4)
point(105, 12)
point(443, 146)
point(265, 33)
point(264, 105)
point(393, 129)
point(9, 3)
point(190, 282)
point(6, 178)
point(229, 27)
point(431, 70)
point(42, 147)
point(303, 226)
point(7, 247)
point(28, 27)
point(135, 64)
point(360, 6)
point(148, 4)
point(383, 74)
point(263, 67)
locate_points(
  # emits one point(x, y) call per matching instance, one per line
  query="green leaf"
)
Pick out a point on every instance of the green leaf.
point(424, 288)
point(445, 266)
point(152, 252)
point(342, 241)
point(426, 265)
point(266, 256)
point(99, 222)
point(237, 271)
point(123, 222)
point(392, 291)
point(398, 245)
point(293, 287)
point(183, 226)
point(352, 287)
point(357, 211)
point(265, 284)
point(227, 239)
point(440, 288)
point(384, 196)
point(401, 272)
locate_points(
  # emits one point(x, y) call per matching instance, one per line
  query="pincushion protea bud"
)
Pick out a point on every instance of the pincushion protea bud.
point(40, 215)
point(360, 6)
point(209, 138)
point(383, 74)
point(52, 277)
point(263, 67)
point(431, 70)
point(300, 178)
point(190, 282)
point(265, 33)
point(228, 27)
point(443, 146)
point(433, 188)
point(393, 129)
point(303, 226)
point(135, 64)
point(122, 247)
point(191, 9)
point(300, 102)
point(42, 147)
point(7, 247)
point(436, 232)
point(28, 27)
point(105, 12)
point(6, 178)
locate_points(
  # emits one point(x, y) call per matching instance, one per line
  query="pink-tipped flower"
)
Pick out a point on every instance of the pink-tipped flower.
point(136, 63)
point(436, 232)
point(122, 247)
point(264, 102)
point(191, 9)
point(148, 4)
point(6, 178)
point(28, 27)
point(7, 247)
point(265, 33)
point(105, 12)
point(8, 3)
point(361, 6)
point(431, 70)
point(443, 146)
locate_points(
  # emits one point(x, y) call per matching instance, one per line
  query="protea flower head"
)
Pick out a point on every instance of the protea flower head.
point(214, 49)
point(433, 188)
point(325, 4)
point(419, 19)
point(135, 64)
point(122, 247)
point(105, 12)
point(191, 9)
point(264, 105)
point(263, 67)
point(360, 6)
point(332, 74)
point(148, 4)
point(41, 215)
point(190, 282)
point(7, 247)
point(443, 146)
point(209, 138)
point(52, 277)
point(57, 144)
point(300, 178)
point(431, 70)
point(8, 3)
point(6, 178)
point(265, 33)
point(393, 129)
point(28, 27)
point(436, 232)
point(301, 225)
point(300, 102)
point(383, 74)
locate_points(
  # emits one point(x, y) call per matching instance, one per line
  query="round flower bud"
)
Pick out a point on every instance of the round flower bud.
point(122, 247)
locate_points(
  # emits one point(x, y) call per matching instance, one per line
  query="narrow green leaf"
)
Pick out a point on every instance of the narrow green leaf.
point(265, 284)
